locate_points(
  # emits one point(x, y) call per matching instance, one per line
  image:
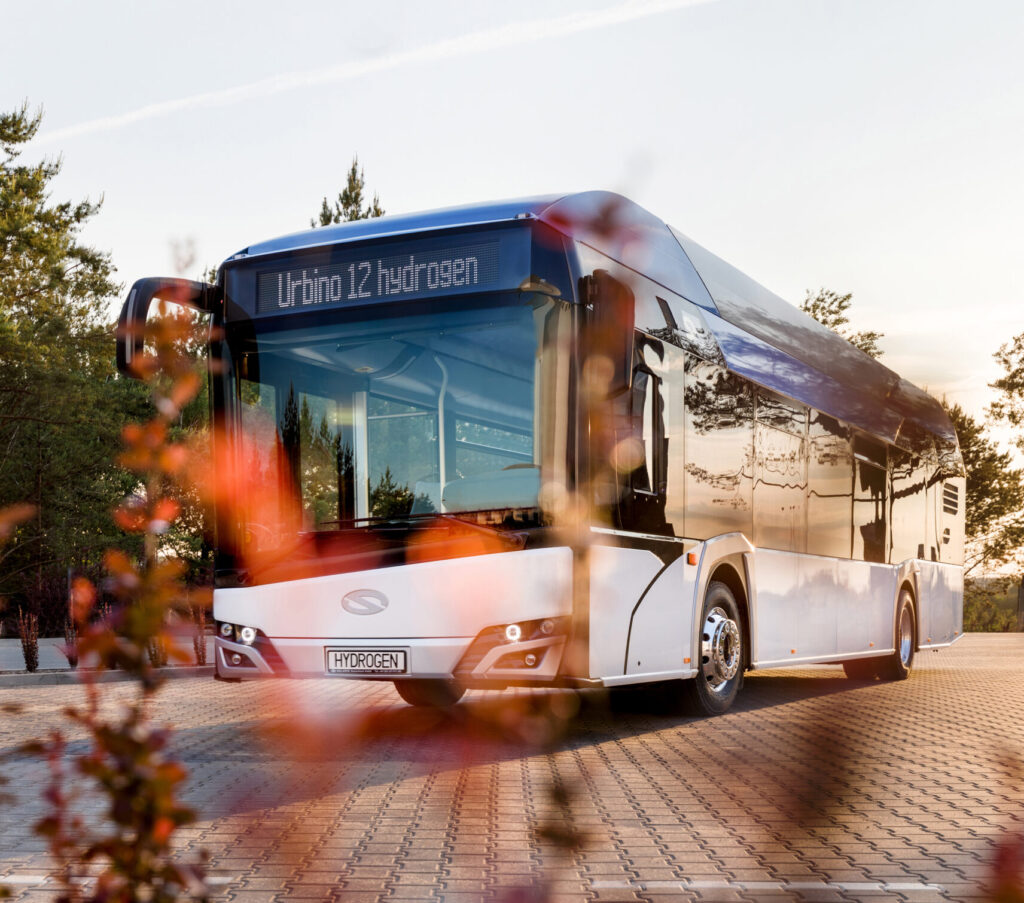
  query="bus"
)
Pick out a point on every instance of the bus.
point(556, 442)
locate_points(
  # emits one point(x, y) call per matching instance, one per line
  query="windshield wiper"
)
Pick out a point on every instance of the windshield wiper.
point(358, 523)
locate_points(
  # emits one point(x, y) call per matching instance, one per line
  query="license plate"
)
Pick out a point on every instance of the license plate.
point(367, 661)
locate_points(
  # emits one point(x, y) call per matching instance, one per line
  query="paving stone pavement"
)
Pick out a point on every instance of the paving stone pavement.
point(812, 788)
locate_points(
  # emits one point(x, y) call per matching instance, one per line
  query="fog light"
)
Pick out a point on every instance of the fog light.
point(530, 659)
point(513, 633)
point(547, 627)
point(247, 635)
point(236, 659)
point(226, 630)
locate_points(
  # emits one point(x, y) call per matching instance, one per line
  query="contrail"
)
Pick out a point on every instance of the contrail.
point(510, 35)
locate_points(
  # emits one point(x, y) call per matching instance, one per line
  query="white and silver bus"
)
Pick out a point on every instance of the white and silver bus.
point(556, 442)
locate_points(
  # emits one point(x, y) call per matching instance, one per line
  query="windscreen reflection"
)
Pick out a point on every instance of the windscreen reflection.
point(396, 416)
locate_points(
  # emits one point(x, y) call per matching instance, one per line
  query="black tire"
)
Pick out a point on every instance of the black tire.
point(898, 665)
point(720, 655)
point(430, 693)
point(861, 669)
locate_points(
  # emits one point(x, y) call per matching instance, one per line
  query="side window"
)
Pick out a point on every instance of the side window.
point(642, 448)
point(645, 390)
point(780, 473)
point(719, 449)
point(778, 412)
point(829, 487)
point(780, 490)
point(681, 324)
point(908, 506)
point(869, 500)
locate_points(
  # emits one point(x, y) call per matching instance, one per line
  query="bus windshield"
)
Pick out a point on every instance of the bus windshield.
point(438, 410)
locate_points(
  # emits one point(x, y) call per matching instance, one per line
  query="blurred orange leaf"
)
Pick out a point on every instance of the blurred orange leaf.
point(12, 516)
point(185, 388)
point(118, 563)
point(131, 518)
point(173, 458)
point(165, 510)
point(83, 597)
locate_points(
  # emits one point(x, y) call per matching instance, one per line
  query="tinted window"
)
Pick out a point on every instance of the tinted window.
point(908, 505)
point(780, 486)
point(776, 411)
point(869, 520)
point(829, 488)
point(719, 451)
point(683, 326)
point(870, 450)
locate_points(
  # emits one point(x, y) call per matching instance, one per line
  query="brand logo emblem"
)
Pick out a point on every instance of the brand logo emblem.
point(364, 602)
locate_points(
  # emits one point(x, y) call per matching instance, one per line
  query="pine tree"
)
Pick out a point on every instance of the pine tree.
point(349, 206)
point(61, 405)
point(390, 498)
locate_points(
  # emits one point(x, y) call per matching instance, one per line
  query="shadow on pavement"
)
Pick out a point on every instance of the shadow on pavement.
point(481, 730)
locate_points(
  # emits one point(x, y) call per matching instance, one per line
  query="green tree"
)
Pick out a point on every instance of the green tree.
point(830, 309)
point(350, 205)
point(982, 611)
point(389, 498)
point(1009, 406)
point(61, 405)
point(995, 495)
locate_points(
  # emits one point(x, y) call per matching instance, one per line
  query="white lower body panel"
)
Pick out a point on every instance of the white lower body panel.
point(941, 615)
point(812, 609)
point(641, 614)
point(432, 609)
point(809, 608)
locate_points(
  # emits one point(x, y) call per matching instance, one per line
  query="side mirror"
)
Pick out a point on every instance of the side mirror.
point(131, 325)
point(609, 330)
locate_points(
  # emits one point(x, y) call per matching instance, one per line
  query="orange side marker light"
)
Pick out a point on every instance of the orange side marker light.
point(691, 558)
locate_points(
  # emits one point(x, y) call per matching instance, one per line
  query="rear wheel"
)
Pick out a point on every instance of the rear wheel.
point(426, 693)
point(720, 667)
point(897, 666)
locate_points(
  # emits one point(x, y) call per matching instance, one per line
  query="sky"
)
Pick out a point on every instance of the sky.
point(862, 146)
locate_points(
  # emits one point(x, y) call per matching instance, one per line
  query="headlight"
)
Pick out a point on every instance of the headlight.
point(513, 633)
point(227, 630)
point(247, 635)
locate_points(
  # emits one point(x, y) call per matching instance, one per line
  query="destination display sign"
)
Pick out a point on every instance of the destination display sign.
point(365, 278)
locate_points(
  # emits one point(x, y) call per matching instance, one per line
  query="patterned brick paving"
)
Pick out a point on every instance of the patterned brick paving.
point(812, 788)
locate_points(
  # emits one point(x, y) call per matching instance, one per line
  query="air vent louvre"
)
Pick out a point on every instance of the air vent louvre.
point(950, 498)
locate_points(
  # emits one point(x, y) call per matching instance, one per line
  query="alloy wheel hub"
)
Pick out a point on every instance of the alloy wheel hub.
point(720, 649)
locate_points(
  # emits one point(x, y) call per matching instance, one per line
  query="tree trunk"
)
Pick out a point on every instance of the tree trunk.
point(1020, 606)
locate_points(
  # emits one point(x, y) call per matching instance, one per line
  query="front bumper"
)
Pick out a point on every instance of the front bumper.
point(461, 658)
point(447, 615)
point(306, 658)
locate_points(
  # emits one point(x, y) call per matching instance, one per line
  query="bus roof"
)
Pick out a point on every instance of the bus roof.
point(762, 337)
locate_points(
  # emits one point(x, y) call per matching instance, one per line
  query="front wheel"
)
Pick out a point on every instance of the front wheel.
point(897, 666)
point(720, 667)
point(433, 694)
